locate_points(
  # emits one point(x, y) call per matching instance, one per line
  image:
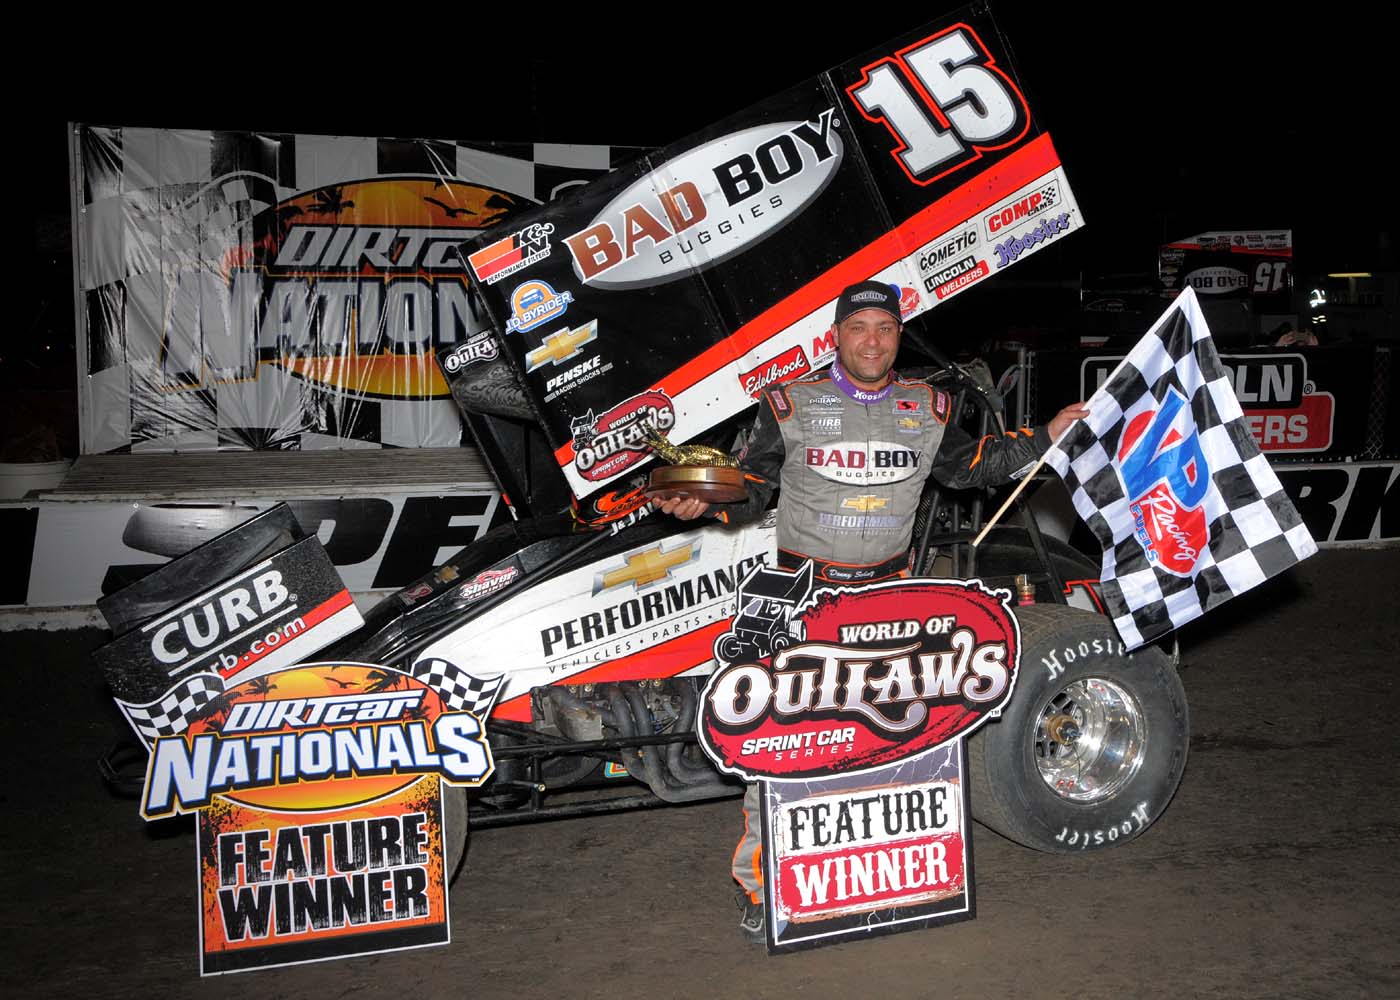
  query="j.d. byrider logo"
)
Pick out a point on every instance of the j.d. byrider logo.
point(649, 566)
point(354, 284)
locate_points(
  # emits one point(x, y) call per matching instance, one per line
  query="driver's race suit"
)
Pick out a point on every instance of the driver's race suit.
point(852, 464)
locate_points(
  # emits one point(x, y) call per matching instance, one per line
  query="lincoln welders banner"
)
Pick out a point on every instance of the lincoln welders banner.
point(246, 290)
point(673, 291)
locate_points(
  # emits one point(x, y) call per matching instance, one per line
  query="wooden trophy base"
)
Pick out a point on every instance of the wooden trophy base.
point(711, 483)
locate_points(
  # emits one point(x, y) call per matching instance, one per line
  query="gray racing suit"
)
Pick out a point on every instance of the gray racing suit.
point(852, 465)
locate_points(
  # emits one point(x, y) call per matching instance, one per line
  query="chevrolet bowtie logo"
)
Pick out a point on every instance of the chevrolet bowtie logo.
point(646, 567)
point(560, 347)
point(868, 502)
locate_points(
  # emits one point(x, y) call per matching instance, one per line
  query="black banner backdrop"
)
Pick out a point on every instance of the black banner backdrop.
point(648, 295)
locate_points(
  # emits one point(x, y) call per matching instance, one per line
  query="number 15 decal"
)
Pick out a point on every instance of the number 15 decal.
point(945, 100)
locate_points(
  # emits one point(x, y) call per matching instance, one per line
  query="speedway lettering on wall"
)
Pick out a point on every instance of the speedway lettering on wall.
point(918, 163)
point(322, 830)
point(851, 707)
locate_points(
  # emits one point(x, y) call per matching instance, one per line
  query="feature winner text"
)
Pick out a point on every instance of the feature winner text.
point(873, 847)
point(323, 876)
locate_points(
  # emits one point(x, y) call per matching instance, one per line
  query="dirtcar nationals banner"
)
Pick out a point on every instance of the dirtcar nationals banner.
point(243, 290)
point(851, 707)
point(671, 292)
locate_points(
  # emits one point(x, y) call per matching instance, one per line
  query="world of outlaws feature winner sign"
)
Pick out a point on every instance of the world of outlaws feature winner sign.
point(670, 292)
point(851, 707)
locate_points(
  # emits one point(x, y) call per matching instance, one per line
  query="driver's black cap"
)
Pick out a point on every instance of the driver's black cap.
point(867, 295)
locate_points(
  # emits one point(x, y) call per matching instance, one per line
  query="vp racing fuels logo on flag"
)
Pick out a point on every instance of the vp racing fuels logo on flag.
point(847, 680)
point(708, 203)
point(354, 285)
point(1166, 478)
point(614, 442)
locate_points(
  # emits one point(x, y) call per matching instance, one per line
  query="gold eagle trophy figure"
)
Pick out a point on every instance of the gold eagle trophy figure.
point(695, 470)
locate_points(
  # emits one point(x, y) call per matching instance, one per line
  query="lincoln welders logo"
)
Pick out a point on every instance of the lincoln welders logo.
point(1166, 478)
point(354, 284)
point(855, 678)
point(617, 440)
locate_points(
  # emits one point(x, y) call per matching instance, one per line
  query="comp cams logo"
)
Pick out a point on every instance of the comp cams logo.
point(708, 203)
point(614, 442)
point(1025, 207)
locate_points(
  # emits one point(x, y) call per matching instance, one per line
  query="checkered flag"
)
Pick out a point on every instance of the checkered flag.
point(461, 692)
point(1167, 476)
point(172, 713)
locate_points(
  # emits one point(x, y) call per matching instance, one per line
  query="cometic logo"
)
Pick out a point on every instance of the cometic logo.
point(708, 204)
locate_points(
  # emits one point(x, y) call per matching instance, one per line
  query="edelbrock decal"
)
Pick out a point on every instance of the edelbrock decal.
point(708, 204)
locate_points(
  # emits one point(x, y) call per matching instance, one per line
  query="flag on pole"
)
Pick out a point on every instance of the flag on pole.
point(1167, 476)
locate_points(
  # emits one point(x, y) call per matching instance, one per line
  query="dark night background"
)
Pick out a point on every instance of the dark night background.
point(1170, 120)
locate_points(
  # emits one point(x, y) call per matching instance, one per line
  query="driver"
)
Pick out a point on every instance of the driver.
point(852, 447)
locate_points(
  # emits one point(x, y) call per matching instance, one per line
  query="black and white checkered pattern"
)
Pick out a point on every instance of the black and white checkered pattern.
point(172, 713)
point(1254, 530)
point(168, 352)
point(461, 692)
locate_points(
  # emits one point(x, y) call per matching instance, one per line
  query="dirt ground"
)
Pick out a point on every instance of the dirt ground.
point(1274, 873)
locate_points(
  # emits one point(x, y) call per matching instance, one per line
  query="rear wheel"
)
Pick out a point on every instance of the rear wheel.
point(1093, 743)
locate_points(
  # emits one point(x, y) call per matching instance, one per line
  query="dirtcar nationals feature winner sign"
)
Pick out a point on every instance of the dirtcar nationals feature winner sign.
point(852, 713)
point(322, 830)
point(670, 293)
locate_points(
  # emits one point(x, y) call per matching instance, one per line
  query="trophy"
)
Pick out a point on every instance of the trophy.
point(696, 470)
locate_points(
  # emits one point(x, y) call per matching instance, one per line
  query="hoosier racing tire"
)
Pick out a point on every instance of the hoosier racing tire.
point(1091, 747)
